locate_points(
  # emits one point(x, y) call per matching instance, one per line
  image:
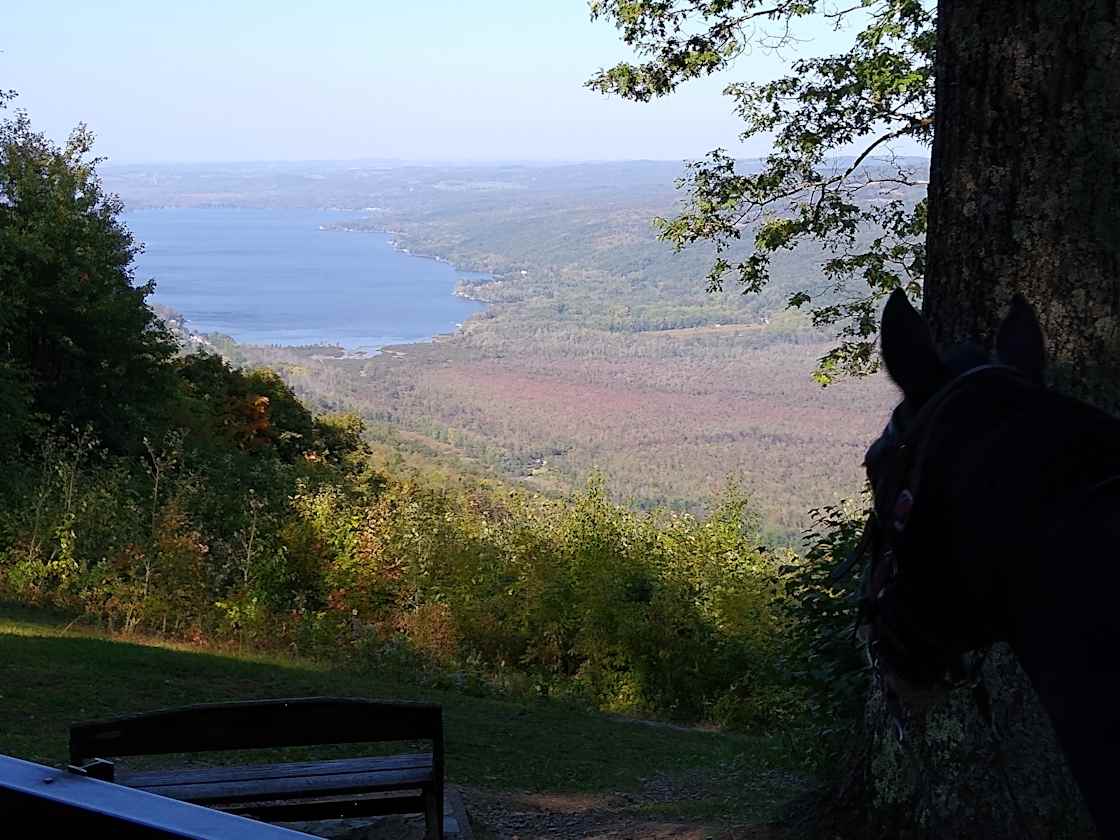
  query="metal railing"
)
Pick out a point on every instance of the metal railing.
point(39, 801)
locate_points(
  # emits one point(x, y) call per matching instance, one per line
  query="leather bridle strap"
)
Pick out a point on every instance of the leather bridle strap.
point(893, 498)
point(934, 408)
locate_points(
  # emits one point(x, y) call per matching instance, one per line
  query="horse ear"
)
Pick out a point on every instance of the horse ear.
point(1019, 342)
point(908, 352)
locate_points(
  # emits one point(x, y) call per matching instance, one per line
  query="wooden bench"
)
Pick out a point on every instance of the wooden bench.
point(307, 790)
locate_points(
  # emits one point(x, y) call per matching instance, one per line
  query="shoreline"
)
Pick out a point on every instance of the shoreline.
point(461, 287)
point(189, 336)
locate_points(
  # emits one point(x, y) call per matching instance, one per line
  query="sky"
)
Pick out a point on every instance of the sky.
point(440, 80)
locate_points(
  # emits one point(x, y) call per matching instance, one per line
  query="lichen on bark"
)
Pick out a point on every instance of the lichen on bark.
point(954, 775)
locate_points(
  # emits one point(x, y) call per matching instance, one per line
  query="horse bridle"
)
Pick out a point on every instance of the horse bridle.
point(902, 451)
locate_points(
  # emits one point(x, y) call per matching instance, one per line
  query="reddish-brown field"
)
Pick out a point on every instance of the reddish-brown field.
point(667, 433)
point(668, 422)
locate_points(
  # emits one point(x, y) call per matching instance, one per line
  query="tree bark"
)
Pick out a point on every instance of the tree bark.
point(1024, 191)
point(1024, 196)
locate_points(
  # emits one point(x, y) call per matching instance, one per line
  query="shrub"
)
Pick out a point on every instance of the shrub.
point(823, 660)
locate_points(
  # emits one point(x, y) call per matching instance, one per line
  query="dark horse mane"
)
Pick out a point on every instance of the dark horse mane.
point(1013, 536)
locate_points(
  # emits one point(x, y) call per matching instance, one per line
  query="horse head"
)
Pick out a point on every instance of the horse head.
point(926, 603)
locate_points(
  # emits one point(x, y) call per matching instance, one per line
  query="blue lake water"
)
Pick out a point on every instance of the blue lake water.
point(275, 277)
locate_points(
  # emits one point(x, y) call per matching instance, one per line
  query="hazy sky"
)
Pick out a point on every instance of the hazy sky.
point(419, 80)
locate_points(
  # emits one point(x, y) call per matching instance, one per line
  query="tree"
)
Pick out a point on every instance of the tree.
point(1022, 105)
point(15, 389)
point(866, 210)
point(1024, 191)
point(254, 410)
point(77, 340)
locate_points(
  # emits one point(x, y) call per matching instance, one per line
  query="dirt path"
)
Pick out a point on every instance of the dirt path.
point(664, 809)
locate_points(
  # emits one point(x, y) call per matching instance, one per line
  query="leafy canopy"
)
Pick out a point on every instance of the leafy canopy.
point(77, 340)
point(863, 209)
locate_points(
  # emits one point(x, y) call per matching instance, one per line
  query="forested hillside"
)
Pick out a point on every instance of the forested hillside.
point(601, 349)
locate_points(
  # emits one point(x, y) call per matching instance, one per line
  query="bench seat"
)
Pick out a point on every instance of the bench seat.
point(257, 782)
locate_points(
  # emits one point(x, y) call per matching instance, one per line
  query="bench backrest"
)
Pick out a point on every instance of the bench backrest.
point(259, 724)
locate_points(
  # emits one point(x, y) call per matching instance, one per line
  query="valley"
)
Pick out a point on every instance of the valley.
point(599, 352)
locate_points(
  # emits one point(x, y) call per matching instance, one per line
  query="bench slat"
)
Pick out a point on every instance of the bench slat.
point(151, 779)
point(334, 809)
point(295, 722)
point(250, 790)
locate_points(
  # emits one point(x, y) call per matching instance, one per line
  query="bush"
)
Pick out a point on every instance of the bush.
point(824, 662)
point(658, 613)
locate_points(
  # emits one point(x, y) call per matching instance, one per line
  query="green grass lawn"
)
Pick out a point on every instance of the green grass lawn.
point(52, 675)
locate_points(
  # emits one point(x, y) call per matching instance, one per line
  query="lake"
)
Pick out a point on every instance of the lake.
point(277, 277)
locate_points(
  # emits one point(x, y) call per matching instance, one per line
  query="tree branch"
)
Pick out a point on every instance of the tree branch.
point(885, 138)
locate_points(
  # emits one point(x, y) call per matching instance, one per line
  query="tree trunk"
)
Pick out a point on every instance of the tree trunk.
point(1024, 191)
point(1024, 196)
